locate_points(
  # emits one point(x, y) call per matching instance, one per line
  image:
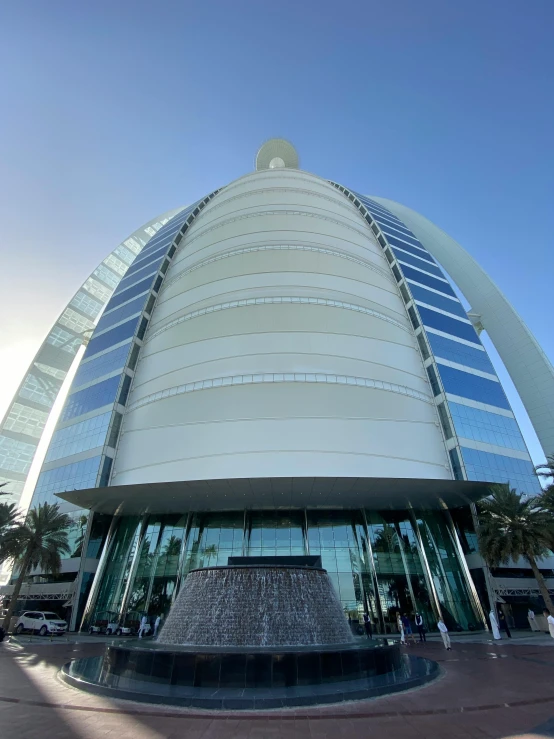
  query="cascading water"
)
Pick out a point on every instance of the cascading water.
point(256, 606)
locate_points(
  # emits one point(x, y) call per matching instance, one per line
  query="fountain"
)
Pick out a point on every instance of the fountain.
point(261, 632)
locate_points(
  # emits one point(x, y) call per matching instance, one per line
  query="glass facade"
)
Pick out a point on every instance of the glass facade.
point(380, 562)
point(40, 387)
point(443, 339)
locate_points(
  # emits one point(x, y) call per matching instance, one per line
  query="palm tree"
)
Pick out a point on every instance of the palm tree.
point(8, 517)
point(510, 528)
point(38, 541)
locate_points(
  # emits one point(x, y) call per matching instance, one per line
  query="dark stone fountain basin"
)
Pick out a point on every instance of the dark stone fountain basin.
point(238, 678)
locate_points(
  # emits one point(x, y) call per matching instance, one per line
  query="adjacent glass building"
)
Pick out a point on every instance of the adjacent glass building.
point(282, 368)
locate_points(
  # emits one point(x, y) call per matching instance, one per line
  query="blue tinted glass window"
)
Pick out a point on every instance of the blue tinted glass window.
point(90, 398)
point(140, 264)
point(424, 279)
point(412, 249)
point(385, 222)
point(448, 325)
point(111, 338)
point(519, 473)
point(101, 365)
point(473, 423)
point(388, 231)
point(426, 296)
point(377, 208)
point(471, 386)
point(80, 437)
point(140, 275)
point(76, 476)
point(87, 305)
point(460, 353)
point(16, 456)
point(40, 388)
point(126, 295)
point(419, 263)
point(115, 316)
point(106, 275)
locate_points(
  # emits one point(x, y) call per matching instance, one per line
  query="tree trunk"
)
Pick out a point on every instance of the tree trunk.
point(17, 589)
point(542, 584)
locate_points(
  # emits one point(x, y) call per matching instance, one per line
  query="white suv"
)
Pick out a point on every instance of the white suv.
point(43, 622)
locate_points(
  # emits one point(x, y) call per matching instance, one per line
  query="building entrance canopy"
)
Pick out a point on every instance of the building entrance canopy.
point(278, 492)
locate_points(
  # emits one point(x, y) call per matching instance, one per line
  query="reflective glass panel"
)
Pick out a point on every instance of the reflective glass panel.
point(142, 262)
point(25, 420)
point(150, 269)
point(124, 254)
point(126, 295)
point(95, 396)
point(426, 296)
point(16, 455)
point(75, 476)
point(115, 316)
point(80, 437)
point(448, 325)
point(106, 275)
point(103, 365)
point(75, 321)
point(112, 337)
point(116, 264)
point(411, 249)
point(42, 389)
point(428, 280)
point(389, 231)
point(479, 425)
point(64, 340)
point(519, 473)
point(460, 353)
point(415, 262)
point(97, 289)
point(471, 386)
point(86, 304)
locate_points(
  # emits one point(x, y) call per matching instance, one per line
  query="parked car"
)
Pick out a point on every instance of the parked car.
point(105, 623)
point(41, 622)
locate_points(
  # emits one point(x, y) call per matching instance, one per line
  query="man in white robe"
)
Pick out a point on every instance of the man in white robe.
point(494, 625)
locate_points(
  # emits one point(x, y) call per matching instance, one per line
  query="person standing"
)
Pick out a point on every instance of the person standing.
point(400, 627)
point(367, 626)
point(494, 625)
point(420, 627)
point(504, 624)
point(143, 625)
point(157, 625)
point(444, 634)
point(408, 628)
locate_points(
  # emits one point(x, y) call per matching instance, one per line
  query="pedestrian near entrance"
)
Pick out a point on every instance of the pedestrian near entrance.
point(367, 626)
point(444, 633)
point(504, 623)
point(157, 625)
point(494, 625)
point(408, 627)
point(550, 620)
point(143, 625)
point(400, 627)
point(420, 627)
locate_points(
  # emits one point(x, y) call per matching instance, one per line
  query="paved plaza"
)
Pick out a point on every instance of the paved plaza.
point(505, 691)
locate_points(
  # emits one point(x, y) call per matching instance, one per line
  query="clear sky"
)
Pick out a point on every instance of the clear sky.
point(113, 111)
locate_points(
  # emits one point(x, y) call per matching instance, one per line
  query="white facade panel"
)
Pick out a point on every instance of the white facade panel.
point(331, 387)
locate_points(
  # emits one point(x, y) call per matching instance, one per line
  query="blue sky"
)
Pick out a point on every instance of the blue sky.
point(115, 111)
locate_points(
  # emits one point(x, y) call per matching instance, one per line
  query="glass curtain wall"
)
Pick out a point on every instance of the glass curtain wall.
point(385, 562)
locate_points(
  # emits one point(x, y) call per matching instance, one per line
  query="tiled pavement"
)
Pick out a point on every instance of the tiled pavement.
point(502, 691)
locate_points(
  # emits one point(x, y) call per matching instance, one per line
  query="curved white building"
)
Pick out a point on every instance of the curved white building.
point(280, 346)
point(284, 368)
